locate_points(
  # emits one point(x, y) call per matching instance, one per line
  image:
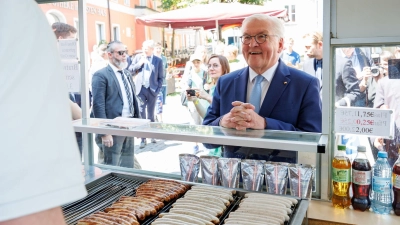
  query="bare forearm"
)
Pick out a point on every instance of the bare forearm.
point(76, 111)
point(52, 216)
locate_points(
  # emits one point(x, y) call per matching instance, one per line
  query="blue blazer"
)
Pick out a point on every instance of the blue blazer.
point(157, 73)
point(292, 102)
point(107, 95)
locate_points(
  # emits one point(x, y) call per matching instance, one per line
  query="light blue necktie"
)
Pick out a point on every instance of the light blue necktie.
point(255, 96)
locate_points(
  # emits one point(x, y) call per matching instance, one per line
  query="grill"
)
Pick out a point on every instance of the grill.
point(108, 189)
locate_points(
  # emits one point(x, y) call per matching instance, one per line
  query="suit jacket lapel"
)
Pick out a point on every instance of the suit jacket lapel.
point(240, 84)
point(116, 83)
point(275, 90)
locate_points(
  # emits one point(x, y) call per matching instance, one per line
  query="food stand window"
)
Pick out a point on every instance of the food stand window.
point(348, 33)
point(303, 147)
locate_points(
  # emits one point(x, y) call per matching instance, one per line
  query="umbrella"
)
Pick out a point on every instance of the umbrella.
point(207, 15)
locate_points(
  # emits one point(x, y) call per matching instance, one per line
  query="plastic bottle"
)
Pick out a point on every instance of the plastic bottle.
point(382, 185)
point(361, 180)
point(396, 187)
point(341, 171)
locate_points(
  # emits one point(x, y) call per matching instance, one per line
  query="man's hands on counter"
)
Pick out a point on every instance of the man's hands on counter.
point(242, 116)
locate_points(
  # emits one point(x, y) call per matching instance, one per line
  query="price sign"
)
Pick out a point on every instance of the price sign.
point(72, 75)
point(68, 49)
point(364, 121)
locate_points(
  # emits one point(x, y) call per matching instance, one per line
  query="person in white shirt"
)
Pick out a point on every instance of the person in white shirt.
point(41, 167)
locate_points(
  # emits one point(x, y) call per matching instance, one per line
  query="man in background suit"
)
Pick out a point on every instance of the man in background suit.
point(114, 96)
point(286, 98)
point(314, 51)
point(149, 77)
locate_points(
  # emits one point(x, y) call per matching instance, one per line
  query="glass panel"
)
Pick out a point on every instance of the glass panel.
point(98, 31)
point(63, 18)
point(368, 77)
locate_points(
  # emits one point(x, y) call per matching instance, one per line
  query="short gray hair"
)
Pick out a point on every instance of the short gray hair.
point(148, 43)
point(111, 45)
point(277, 25)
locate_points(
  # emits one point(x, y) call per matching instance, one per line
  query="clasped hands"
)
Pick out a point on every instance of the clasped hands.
point(243, 116)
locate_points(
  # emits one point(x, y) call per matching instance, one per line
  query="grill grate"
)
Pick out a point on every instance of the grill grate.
point(100, 196)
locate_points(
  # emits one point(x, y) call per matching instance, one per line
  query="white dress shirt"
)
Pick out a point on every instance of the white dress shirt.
point(268, 75)
point(125, 109)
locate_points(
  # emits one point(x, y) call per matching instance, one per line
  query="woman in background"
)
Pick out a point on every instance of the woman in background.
point(218, 66)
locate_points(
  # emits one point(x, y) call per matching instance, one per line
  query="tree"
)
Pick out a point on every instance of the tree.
point(248, 2)
point(168, 5)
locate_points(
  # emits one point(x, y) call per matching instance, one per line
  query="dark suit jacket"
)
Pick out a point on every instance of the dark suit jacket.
point(346, 82)
point(292, 102)
point(157, 73)
point(107, 94)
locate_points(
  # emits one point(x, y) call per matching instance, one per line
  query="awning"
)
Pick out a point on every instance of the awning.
point(207, 15)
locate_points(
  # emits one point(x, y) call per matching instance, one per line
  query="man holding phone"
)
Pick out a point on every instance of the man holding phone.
point(191, 92)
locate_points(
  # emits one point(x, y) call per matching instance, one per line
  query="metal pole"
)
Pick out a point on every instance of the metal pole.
point(109, 21)
point(83, 46)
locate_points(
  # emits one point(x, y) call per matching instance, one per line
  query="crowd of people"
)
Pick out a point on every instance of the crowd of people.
point(357, 76)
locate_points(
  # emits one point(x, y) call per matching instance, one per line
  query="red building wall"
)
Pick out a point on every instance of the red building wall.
point(100, 14)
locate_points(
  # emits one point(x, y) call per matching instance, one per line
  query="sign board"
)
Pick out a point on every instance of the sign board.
point(72, 74)
point(364, 121)
point(68, 49)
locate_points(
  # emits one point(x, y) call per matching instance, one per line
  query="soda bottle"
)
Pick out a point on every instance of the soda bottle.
point(361, 180)
point(381, 185)
point(341, 169)
point(396, 187)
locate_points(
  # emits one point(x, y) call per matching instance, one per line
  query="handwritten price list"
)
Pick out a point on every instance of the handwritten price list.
point(364, 121)
point(69, 57)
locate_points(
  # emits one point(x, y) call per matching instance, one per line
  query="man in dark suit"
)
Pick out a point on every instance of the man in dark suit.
point(267, 94)
point(148, 73)
point(114, 96)
point(346, 82)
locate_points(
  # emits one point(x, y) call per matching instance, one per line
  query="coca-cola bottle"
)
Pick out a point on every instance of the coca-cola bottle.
point(361, 180)
point(396, 187)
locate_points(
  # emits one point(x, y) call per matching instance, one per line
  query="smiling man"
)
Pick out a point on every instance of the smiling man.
point(267, 94)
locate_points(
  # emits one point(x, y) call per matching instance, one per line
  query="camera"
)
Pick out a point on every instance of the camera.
point(191, 92)
point(376, 59)
point(375, 71)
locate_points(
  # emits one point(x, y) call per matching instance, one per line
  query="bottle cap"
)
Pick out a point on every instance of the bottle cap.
point(382, 154)
point(341, 147)
point(361, 149)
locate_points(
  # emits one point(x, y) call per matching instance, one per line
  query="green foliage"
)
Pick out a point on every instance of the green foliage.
point(248, 2)
point(102, 42)
point(168, 5)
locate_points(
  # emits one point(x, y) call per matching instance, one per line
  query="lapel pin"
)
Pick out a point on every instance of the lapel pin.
point(285, 83)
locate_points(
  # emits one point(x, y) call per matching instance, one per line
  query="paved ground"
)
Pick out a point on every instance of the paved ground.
point(163, 156)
